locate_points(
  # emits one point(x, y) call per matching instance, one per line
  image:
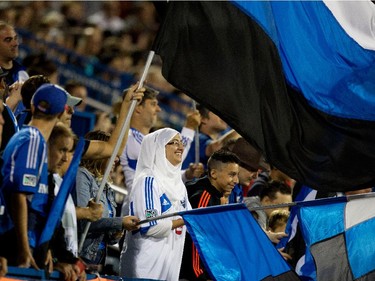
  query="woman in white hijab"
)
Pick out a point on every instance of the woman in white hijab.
point(155, 250)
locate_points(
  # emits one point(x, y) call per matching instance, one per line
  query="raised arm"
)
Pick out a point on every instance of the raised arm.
point(217, 144)
point(102, 149)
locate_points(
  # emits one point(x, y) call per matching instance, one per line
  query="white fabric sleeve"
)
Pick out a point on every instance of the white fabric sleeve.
point(183, 176)
point(187, 136)
point(188, 133)
point(160, 230)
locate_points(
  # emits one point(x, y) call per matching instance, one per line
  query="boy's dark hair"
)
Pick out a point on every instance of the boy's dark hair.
point(272, 187)
point(30, 86)
point(203, 111)
point(219, 157)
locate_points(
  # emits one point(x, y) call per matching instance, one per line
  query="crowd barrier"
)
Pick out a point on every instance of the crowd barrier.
point(30, 274)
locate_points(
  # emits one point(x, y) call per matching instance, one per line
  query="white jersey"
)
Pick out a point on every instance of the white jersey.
point(146, 256)
point(129, 157)
point(68, 220)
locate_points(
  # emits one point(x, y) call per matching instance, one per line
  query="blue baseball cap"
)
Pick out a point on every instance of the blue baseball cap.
point(50, 99)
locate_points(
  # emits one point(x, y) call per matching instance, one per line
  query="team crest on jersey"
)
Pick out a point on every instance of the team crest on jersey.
point(151, 213)
point(183, 203)
point(165, 203)
point(29, 180)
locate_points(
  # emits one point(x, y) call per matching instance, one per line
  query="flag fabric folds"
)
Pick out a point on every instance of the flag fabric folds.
point(340, 237)
point(337, 73)
point(287, 76)
point(233, 246)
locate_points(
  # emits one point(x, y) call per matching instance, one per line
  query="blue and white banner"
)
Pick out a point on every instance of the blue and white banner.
point(340, 237)
point(327, 49)
point(294, 78)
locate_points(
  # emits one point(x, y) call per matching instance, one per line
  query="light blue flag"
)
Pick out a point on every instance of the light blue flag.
point(233, 246)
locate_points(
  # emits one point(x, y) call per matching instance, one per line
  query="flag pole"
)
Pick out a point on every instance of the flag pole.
point(250, 209)
point(196, 138)
point(347, 198)
point(118, 144)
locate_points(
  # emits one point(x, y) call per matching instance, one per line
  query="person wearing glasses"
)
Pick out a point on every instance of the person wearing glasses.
point(155, 250)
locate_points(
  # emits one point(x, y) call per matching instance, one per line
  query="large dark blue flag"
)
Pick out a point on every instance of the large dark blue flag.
point(233, 246)
point(292, 77)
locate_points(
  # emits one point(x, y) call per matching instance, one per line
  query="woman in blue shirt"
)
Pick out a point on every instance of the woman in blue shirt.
point(108, 229)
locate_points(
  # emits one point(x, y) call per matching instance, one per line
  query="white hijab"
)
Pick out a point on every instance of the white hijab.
point(152, 161)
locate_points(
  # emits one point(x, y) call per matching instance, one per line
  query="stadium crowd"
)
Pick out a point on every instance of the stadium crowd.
point(38, 145)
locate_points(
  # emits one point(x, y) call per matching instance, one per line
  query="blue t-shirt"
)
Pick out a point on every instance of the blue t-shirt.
point(5, 221)
point(236, 195)
point(25, 170)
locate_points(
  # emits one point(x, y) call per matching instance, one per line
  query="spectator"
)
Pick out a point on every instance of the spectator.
point(89, 46)
point(9, 126)
point(74, 13)
point(103, 122)
point(251, 160)
point(16, 73)
point(271, 174)
point(207, 191)
point(102, 149)
point(4, 216)
point(108, 18)
point(25, 17)
point(210, 137)
point(155, 251)
point(143, 120)
point(108, 229)
point(93, 211)
point(278, 220)
point(78, 90)
point(60, 144)
point(25, 173)
point(27, 91)
point(9, 53)
point(64, 244)
point(41, 65)
point(272, 194)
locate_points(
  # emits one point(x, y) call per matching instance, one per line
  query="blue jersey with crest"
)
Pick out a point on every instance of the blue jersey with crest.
point(25, 170)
